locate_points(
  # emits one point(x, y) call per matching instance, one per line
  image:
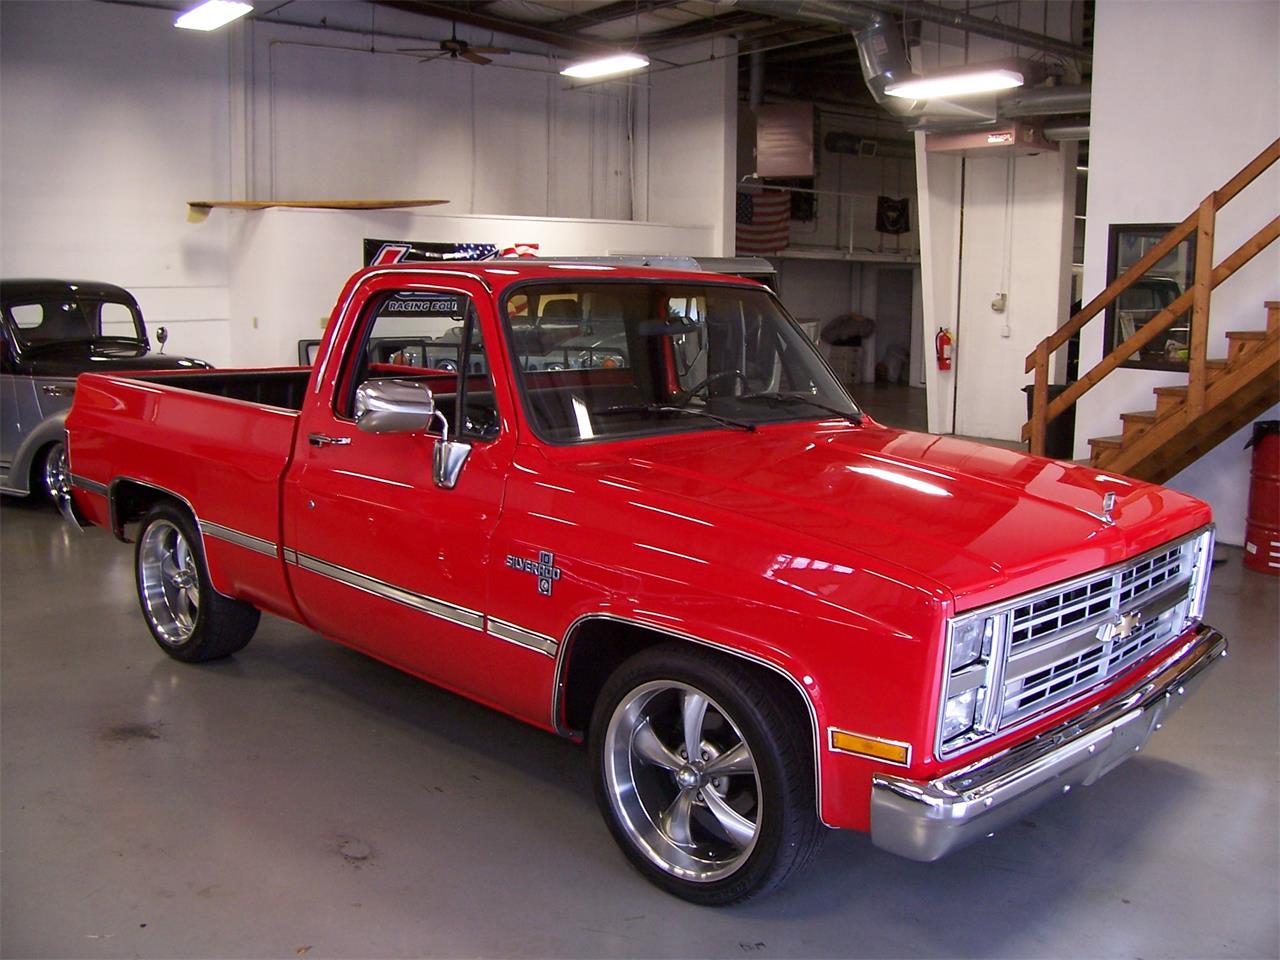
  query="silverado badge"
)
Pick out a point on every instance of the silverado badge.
point(544, 568)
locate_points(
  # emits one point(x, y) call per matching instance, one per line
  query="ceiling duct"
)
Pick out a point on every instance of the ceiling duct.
point(882, 54)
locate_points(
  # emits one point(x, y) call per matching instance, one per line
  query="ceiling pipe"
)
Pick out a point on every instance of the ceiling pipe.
point(1045, 101)
point(755, 88)
point(861, 14)
point(1060, 130)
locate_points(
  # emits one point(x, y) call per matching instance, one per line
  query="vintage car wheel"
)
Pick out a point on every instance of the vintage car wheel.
point(703, 775)
point(189, 619)
point(54, 476)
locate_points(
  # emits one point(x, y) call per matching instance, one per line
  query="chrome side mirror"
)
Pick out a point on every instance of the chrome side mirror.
point(162, 337)
point(394, 406)
point(406, 406)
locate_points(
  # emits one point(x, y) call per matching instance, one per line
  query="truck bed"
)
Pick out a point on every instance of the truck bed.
point(218, 440)
point(282, 387)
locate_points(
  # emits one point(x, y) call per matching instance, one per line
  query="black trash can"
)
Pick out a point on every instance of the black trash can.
point(1060, 433)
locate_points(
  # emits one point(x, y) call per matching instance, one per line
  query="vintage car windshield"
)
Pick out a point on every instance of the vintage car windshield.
point(50, 320)
point(598, 360)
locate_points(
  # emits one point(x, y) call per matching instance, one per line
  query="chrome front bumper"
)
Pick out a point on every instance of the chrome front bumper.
point(927, 820)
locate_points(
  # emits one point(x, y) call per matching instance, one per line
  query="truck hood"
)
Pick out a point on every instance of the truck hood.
point(981, 522)
point(105, 355)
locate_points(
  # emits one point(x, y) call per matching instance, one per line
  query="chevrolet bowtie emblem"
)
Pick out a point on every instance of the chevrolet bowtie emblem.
point(1128, 624)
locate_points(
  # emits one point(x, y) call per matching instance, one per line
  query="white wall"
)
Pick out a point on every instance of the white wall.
point(691, 138)
point(1166, 130)
point(111, 120)
point(819, 289)
point(98, 158)
point(288, 265)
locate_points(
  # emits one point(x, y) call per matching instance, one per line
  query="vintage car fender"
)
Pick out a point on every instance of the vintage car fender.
point(50, 430)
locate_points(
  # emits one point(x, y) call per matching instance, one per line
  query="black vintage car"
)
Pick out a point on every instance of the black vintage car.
point(50, 331)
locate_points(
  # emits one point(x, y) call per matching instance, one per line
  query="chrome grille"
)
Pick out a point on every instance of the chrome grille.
point(1054, 645)
point(1064, 641)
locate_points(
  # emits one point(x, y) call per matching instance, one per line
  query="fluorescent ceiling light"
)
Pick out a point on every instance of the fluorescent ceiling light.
point(212, 14)
point(606, 66)
point(956, 83)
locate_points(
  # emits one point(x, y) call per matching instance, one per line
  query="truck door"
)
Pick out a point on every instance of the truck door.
point(382, 558)
point(10, 414)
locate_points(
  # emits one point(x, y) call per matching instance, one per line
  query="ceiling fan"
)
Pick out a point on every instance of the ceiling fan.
point(453, 48)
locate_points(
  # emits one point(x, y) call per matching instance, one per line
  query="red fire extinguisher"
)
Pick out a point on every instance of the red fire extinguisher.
point(942, 345)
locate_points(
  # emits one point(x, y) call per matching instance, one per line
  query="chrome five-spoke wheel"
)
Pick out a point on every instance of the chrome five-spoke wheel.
point(684, 781)
point(703, 768)
point(55, 475)
point(190, 620)
point(169, 581)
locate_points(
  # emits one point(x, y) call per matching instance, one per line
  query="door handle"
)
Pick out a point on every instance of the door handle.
point(320, 440)
point(52, 390)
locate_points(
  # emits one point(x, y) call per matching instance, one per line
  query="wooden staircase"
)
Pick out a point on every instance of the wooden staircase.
point(1221, 396)
point(1156, 444)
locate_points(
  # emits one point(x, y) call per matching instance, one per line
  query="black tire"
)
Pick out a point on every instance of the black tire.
point(190, 620)
point(710, 839)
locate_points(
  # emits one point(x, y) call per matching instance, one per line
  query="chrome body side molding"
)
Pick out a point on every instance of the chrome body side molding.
point(249, 542)
point(90, 486)
point(522, 637)
point(387, 591)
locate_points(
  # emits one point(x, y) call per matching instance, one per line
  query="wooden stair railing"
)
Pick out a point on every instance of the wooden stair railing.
point(1196, 298)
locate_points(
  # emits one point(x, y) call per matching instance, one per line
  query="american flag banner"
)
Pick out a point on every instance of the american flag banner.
point(382, 252)
point(764, 221)
point(520, 250)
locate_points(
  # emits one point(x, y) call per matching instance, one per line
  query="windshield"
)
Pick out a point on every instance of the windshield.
point(603, 360)
point(61, 319)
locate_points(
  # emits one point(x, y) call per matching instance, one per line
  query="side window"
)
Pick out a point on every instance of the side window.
point(27, 316)
point(433, 337)
point(116, 320)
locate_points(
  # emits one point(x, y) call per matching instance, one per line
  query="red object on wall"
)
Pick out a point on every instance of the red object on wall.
point(1262, 531)
point(942, 345)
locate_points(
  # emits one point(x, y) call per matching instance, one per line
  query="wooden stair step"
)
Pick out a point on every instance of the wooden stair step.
point(1101, 446)
point(1247, 388)
point(1135, 422)
point(1238, 341)
point(1169, 397)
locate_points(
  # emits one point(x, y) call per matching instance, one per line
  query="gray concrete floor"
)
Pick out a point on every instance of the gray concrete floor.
point(302, 800)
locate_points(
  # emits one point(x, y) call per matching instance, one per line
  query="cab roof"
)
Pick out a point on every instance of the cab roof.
point(23, 288)
point(500, 274)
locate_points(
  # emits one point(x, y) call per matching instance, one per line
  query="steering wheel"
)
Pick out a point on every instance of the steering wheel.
point(702, 385)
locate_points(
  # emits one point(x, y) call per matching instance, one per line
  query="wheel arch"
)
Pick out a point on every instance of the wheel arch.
point(130, 499)
point(52, 429)
point(596, 644)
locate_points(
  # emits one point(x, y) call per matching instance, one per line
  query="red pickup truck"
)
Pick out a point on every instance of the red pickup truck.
point(634, 506)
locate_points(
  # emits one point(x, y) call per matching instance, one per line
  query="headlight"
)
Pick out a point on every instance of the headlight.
point(974, 646)
point(957, 716)
point(970, 640)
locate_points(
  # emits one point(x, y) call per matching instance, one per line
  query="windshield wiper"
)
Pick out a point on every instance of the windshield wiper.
point(853, 417)
point(666, 408)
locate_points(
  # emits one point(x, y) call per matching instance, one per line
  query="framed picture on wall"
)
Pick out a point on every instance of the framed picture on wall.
point(1157, 288)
